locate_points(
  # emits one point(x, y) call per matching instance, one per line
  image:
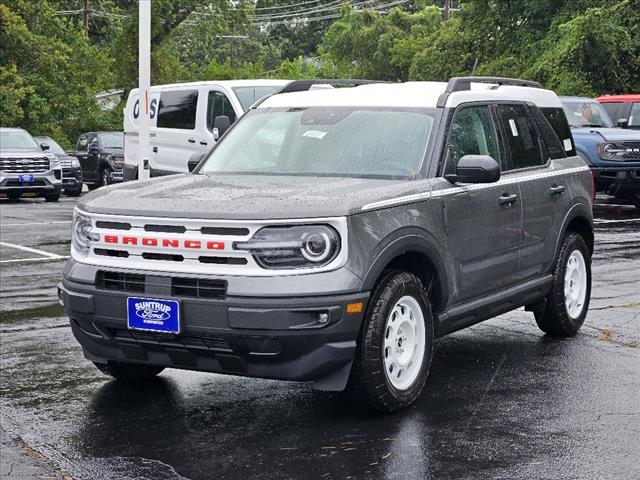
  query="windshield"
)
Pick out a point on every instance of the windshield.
point(321, 141)
point(586, 114)
point(53, 146)
point(112, 140)
point(250, 95)
point(17, 140)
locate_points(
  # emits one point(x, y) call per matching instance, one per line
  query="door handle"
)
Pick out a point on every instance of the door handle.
point(203, 142)
point(507, 199)
point(191, 140)
point(557, 189)
point(154, 149)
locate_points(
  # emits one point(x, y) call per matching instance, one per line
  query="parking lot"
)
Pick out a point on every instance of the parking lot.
point(502, 401)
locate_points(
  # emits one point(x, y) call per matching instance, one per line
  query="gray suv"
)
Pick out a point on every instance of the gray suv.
point(27, 167)
point(334, 234)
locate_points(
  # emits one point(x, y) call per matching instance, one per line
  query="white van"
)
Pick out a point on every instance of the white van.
point(182, 119)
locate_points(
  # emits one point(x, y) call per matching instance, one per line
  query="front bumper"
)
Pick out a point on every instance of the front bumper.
point(620, 181)
point(129, 172)
point(117, 175)
point(42, 182)
point(71, 178)
point(307, 338)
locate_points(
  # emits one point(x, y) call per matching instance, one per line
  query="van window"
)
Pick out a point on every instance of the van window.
point(250, 95)
point(178, 109)
point(521, 137)
point(634, 118)
point(217, 105)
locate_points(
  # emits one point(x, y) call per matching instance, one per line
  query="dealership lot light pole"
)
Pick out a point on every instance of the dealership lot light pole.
point(144, 84)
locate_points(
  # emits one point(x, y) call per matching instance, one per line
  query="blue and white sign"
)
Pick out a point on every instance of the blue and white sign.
point(153, 315)
point(25, 178)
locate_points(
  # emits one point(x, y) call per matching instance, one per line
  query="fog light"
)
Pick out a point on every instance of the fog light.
point(323, 318)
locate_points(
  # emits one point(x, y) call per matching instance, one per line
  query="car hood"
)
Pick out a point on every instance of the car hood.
point(245, 197)
point(607, 134)
point(35, 153)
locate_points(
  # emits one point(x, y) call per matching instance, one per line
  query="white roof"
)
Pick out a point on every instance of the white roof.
point(223, 83)
point(409, 94)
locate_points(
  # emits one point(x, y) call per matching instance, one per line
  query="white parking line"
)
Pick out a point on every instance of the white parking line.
point(35, 223)
point(38, 259)
point(47, 255)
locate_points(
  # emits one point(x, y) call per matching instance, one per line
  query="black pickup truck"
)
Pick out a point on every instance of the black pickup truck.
point(101, 156)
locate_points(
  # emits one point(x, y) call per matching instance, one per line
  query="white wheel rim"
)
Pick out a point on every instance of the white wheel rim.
point(404, 342)
point(575, 284)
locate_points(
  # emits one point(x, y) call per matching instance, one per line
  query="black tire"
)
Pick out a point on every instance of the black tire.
point(13, 196)
point(52, 197)
point(93, 186)
point(105, 177)
point(128, 371)
point(368, 382)
point(555, 319)
point(76, 192)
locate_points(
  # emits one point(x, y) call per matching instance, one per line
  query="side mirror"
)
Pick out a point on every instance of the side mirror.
point(623, 122)
point(476, 169)
point(194, 160)
point(220, 125)
point(44, 146)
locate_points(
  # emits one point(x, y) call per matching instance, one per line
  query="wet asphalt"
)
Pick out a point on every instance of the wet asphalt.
point(502, 399)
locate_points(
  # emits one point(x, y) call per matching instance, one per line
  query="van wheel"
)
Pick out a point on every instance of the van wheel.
point(128, 371)
point(568, 301)
point(394, 352)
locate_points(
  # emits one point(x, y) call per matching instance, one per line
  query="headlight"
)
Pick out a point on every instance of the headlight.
point(118, 162)
point(54, 162)
point(611, 151)
point(75, 163)
point(83, 234)
point(302, 246)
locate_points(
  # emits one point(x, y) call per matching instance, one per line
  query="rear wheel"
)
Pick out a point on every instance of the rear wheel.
point(128, 371)
point(568, 301)
point(394, 352)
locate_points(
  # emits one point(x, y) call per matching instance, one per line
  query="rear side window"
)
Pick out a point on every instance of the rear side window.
point(472, 133)
point(82, 143)
point(558, 121)
point(614, 110)
point(218, 104)
point(522, 142)
point(178, 109)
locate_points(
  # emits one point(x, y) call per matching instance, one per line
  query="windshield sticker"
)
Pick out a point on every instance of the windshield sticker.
point(314, 134)
point(567, 145)
point(514, 129)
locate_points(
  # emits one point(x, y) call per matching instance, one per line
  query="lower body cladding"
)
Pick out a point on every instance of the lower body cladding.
point(306, 339)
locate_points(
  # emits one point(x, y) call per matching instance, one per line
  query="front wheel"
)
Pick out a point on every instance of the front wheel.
point(394, 352)
point(105, 177)
point(128, 371)
point(52, 197)
point(76, 192)
point(568, 301)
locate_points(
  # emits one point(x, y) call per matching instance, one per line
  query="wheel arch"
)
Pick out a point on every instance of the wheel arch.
point(414, 253)
point(579, 220)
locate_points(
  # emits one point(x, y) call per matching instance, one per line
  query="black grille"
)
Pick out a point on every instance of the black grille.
point(120, 282)
point(239, 232)
point(167, 257)
point(180, 287)
point(24, 165)
point(113, 225)
point(165, 228)
point(200, 341)
point(105, 252)
point(199, 287)
point(631, 155)
point(223, 260)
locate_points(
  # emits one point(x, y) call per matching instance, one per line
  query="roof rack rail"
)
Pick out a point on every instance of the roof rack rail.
point(304, 85)
point(459, 84)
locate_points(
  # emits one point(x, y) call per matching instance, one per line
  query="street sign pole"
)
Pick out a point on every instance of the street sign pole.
point(144, 85)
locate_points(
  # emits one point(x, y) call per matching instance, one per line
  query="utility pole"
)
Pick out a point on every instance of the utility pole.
point(144, 85)
point(447, 9)
point(232, 39)
point(85, 17)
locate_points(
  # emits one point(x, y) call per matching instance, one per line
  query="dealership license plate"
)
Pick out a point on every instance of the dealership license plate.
point(25, 178)
point(153, 315)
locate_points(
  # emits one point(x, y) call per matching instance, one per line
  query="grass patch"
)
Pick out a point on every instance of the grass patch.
point(53, 310)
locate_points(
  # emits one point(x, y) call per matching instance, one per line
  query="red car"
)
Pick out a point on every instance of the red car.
point(624, 110)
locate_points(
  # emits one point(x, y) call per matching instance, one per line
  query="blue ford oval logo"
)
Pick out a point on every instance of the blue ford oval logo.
point(153, 312)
